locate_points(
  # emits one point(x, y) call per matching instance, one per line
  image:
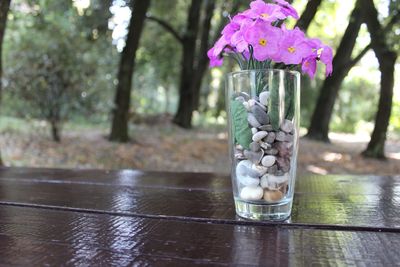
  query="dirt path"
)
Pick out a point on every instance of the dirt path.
point(167, 148)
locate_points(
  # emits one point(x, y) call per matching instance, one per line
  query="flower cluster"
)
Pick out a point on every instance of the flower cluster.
point(254, 35)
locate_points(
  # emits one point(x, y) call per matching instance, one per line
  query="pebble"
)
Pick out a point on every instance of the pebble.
point(283, 164)
point(280, 136)
point(272, 195)
point(270, 138)
point(268, 160)
point(289, 138)
point(261, 106)
point(259, 135)
point(264, 181)
point(255, 146)
point(252, 120)
point(266, 146)
point(271, 151)
point(260, 169)
point(251, 102)
point(287, 126)
point(267, 128)
point(248, 181)
point(254, 157)
point(282, 148)
point(272, 169)
point(251, 193)
point(244, 95)
point(244, 169)
point(254, 130)
point(264, 96)
point(239, 155)
point(261, 116)
point(240, 99)
point(279, 179)
point(246, 106)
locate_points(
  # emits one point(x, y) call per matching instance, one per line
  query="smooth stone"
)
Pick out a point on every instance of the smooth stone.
point(259, 136)
point(266, 146)
point(239, 156)
point(268, 160)
point(289, 138)
point(254, 130)
point(284, 188)
point(244, 169)
point(283, 150)
point(287, 126)
point(255, 146)
point(271, 151)
point(272, 195)
point(239, 147)
point(279, 173)
point(264, 96)
point(272, 169)
point(280, 136)
point(251, 102)
point(279, 179)
point(240, 99)
point(264, 181)
point(267, 128)
point(283, 164)
point(252, 120)
point(270, 138)
point(246, 106)
point(251, 193)
point(289, 145)
point(244, 95)
point(254, 157)
point(261, 116)
point(248, 180)
point(260, 169)
point(261, 106)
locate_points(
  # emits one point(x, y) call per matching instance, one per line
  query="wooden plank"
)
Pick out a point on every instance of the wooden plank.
point(38, 237)
point(344, 209)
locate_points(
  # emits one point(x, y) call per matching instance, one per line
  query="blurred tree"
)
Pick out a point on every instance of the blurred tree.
point(387, 60)
point(319, 126)
point(120, 116)
point(50, 77)
point(308, 14)
point(4, 7)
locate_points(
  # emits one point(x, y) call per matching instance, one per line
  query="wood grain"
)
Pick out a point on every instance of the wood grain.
point(344, 201)
point(38, 237)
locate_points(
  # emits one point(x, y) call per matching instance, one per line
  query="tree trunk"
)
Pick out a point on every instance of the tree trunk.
point(119, 129)
point(4, 7)
point(308, 14)
point(202, 63)
point(319, 126)
point(55, 133)
point(387, 61)
point(183, 116)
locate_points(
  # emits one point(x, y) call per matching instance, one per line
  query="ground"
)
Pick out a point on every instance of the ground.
point(165, 147)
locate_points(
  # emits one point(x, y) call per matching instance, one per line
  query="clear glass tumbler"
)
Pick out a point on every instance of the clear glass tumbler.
point(263, 108)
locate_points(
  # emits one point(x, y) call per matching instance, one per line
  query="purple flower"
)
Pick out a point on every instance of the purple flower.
point(309, 66)
point(287, 9)
point(215, 61)
point(264, 39)
point(267, 12)
point(293, 47)
point(326, 58)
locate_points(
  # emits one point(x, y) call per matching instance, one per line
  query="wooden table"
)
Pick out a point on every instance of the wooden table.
point(118, 218)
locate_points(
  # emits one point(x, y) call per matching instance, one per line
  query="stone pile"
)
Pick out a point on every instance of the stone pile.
point(262, 171)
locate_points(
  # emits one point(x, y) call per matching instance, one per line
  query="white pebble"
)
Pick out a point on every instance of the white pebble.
point(251, 102)
point(268, 161)
point(287, 126)
point(264, 96)
point(248, 180)
point(259, 135)
point(260, 169)
point(246, 106)
point(251, 193)
point(264, 181)
point(244, 169)
point(254, 130)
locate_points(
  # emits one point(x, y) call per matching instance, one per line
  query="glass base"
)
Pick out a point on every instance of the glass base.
point(263, 212)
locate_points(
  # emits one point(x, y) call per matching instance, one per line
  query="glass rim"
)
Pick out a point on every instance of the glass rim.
point(294, 72)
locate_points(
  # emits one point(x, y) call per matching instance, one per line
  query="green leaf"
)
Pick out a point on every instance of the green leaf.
point(289, 99)
point(241, 129)
point(274, 104)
